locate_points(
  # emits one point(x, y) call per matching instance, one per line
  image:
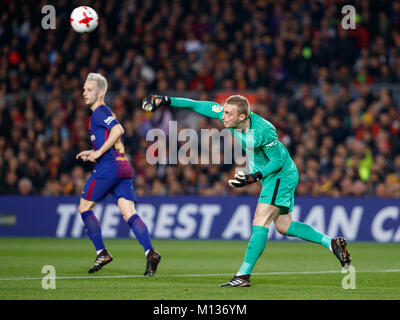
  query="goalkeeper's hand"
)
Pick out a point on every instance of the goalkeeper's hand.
point(242, 179)
point(153, 102)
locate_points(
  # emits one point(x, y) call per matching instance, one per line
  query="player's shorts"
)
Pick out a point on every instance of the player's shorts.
point(279, 191)
point(97, 189)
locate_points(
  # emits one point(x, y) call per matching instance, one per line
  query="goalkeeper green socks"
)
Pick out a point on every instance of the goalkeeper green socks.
point(259, 237)
point(255, 248)
point(307, 232)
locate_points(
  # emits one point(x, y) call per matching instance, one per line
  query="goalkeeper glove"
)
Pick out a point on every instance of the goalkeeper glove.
point(153, 102)
point(242, 179)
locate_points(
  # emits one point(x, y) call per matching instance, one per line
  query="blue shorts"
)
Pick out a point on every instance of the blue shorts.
point(97, 189)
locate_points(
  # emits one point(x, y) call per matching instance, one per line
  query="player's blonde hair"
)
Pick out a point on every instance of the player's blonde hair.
point(241, 102)
point(100, 80)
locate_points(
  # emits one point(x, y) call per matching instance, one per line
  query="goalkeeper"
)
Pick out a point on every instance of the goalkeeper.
point(270, 164)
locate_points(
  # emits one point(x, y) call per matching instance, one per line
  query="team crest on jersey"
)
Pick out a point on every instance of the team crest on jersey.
point(92, 137)
point(217, 108)
point(109, 120)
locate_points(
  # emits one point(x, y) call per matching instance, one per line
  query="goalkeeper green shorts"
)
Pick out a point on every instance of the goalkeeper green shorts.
point(279, 190)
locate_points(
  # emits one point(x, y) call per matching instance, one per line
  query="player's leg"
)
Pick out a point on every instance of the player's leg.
point(264, 215)
point(92, 224)
point(286, 226)
point(274, 196)
point(284, 198)
point(136, 224)
point(93, 191)
point(125, 196)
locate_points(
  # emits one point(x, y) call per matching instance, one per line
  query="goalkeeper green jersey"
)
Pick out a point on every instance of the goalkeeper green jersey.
point(264, 151)
point(260, 141)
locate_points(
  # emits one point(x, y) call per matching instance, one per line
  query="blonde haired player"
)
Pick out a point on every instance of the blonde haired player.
point(111, 175)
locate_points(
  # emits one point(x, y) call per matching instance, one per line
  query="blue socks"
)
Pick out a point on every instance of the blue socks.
point(140, 230)
point(93, 230)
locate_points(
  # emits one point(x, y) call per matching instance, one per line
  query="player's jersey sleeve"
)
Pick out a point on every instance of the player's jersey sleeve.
point(273, 150)
point(206, 108)
point(106, 119)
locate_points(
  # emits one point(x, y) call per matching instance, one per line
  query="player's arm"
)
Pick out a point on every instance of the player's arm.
point(272, 149)
point(115, 133)
point(206, 108)
point(276, 156)
point(84, 155)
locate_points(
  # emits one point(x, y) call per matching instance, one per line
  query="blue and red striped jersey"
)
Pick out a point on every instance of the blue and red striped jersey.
point(113, 163)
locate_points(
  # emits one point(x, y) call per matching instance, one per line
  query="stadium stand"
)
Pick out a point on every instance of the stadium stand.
point(333, 94)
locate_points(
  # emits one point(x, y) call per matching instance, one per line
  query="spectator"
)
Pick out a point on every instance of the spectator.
point(11, 183)
point(25, 187)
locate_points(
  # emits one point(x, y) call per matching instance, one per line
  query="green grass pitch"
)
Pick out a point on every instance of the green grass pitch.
point(193, 270)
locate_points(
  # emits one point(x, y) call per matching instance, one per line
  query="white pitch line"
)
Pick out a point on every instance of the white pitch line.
point(196, 275)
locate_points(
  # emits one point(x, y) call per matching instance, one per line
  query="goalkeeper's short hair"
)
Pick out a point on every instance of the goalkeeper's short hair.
point(241, 102)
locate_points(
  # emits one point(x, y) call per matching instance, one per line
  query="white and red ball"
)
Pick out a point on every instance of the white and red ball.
point(84, 19)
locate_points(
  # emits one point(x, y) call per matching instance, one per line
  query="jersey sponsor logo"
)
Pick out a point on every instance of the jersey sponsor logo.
point(92, 137)
point(271, 144)
point(217, 108)
point(109, 120)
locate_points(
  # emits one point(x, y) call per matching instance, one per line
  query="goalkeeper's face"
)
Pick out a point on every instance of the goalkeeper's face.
point(231, 117)
point(90, 92)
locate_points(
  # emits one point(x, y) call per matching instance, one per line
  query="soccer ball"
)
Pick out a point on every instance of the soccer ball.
point(84, 19)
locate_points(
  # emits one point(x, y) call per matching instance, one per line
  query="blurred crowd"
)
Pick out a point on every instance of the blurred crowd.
point(325, 89)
